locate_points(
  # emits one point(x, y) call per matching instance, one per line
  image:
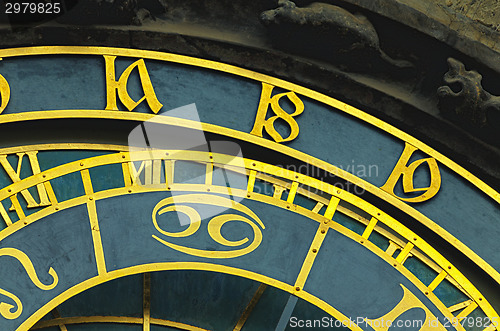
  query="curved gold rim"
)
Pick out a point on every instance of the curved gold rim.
point(112, 319)
point(261, 176)
point(182, 59)
point(101, 114)
point(29, 322)
point(277, 82)
point(253, 166)
point(218, 268)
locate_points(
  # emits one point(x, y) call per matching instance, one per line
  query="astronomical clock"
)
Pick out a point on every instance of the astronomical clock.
point(270, 166)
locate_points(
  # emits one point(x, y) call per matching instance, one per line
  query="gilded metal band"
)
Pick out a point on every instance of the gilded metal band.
point(251, 305)
point(111, 319)
point(446, 269)
point(279, 186)
point(175, 58)
point(60, 114)
point(30, 321)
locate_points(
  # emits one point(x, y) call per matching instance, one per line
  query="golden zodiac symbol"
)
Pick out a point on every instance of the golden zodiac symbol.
point(6, 310)
point(214, 225)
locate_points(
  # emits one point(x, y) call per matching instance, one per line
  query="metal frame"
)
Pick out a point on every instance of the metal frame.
point(251, 167)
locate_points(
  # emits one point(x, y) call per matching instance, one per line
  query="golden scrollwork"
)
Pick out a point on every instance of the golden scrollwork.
point(214, 226)
point(4, 93)
point(262, 123)
point(409, 301)
point(408, 171)
point(10, 311)
point(6, 309)
point(112, 86)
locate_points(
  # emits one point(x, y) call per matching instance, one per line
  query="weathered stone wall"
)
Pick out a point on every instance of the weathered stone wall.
point(486, 12)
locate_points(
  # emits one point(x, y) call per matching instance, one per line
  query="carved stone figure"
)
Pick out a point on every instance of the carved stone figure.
point(464, 96)
point(327, 31)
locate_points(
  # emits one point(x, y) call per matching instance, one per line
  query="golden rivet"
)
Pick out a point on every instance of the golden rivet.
point(297, 288)
point(480, 299)
point(90, 198)
point(323, 231)
point(296, 176)
point(426, 293)
point(9, 190)
point(44, 176)
point(449, 267)
point(378, 214)
point(25, 223)
point(415, 239)
point(168, 188)
point(254, 164)
point(81, 163)
point(395, 264)
point(57, 208)
point(314, 250)
point(211, 157)
point(325, 221)
point(248, 195)
point(288, 207)
point(129, 191)
point(338, 191)
point(362, 241)
point(123, 156)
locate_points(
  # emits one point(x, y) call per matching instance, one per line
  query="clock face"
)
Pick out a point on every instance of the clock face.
point(158, 191)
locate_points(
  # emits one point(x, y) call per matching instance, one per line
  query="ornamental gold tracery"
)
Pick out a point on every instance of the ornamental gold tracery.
point(8, 310)
point(401, 170)
point(293, 89)
point(407, 172)
point(268, 124)
point(182, 204)
point(293, 183)
point(119, 86)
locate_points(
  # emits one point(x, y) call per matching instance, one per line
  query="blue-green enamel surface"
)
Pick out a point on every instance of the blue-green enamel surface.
point(345, 274)
point(63, 242)
point(77, 82)
point(355, 279)
point(127, 229)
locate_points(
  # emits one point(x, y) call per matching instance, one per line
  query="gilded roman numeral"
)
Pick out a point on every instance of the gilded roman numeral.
point(113, 86)
point(15, 177)
point(151, 170)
